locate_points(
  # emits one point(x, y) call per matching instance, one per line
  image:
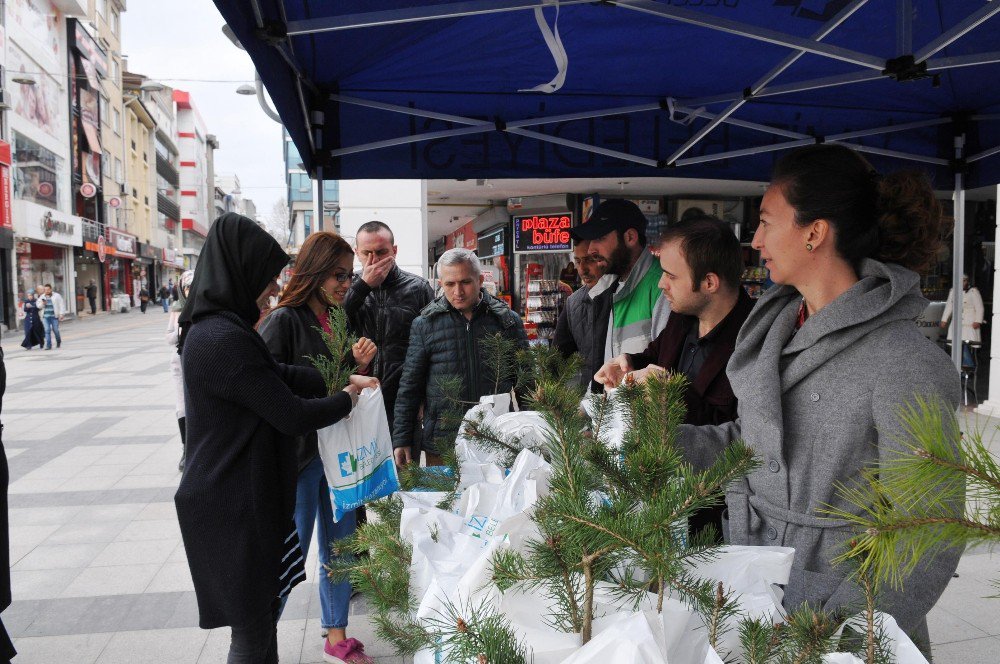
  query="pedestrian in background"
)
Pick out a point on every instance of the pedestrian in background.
point(52, 310)
point(236, 498)
point(165, 298)
point(973, 318)
point(176, 371)
point(92, 296)
point(34, 335)
point(143, 298)
point(382, 303)
point(322, 276)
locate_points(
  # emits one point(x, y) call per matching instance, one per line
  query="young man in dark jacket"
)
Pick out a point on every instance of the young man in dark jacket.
point(583, 324)
point(702, 266)
point(445, 342)
point(381, 304)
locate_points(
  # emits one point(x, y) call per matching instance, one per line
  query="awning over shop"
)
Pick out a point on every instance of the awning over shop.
point(90, 131)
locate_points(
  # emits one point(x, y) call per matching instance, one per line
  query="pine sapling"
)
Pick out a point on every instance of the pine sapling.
point(335, 366)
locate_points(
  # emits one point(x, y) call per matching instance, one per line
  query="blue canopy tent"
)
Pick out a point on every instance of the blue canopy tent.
point(574, 88)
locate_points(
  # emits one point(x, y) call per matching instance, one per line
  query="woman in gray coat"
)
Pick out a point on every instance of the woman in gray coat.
point(824, 362)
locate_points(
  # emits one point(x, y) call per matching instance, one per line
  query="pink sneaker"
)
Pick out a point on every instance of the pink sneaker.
point(348, 651)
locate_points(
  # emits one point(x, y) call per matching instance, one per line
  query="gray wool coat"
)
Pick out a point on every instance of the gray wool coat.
point(818, 406)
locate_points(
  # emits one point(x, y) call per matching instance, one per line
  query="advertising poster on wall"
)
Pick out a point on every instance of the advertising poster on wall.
point(34, 24)
point(37, 103)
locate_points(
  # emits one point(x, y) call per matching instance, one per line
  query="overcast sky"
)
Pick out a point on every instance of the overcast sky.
point(180, 43)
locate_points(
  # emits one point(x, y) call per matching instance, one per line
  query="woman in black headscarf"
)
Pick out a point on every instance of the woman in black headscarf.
point(237, 495)
point(34, 334)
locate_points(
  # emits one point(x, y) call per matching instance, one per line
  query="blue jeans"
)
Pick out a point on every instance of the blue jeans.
point(51, 324)
point(164, 301)
point(312, 506)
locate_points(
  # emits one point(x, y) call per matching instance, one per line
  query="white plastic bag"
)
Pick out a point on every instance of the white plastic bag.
point(612, 429)
point(675, 636)
point(421, 514)
point(484, 506)
point(901, 649)
point(357, 455)
point(750, 572)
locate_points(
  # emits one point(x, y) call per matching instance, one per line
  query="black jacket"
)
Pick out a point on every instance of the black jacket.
point(384, 315)
point(443, 343)
point(237, 495)
point(292, 336)
point(583, 328)
point(709, 397)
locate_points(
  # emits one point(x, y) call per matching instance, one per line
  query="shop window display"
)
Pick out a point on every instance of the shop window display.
point(35, 172)
point(43, 264)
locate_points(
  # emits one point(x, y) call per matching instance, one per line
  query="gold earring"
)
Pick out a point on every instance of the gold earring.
point(809, 247)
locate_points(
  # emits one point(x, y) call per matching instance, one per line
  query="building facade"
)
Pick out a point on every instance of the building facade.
point(45, 222)
point(192, 145)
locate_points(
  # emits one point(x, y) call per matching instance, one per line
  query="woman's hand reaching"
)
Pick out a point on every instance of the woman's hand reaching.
point(363, 351)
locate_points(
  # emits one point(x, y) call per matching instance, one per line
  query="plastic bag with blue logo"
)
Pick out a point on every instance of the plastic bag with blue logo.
point(357, 455)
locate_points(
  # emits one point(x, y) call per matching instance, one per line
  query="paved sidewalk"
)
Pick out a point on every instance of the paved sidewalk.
point(98, 568)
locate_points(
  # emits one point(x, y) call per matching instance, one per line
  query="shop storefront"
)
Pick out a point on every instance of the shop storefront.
point(150, 270)
point(122, 273)
point(44, 249)
point(173, 264)
point(89, 270)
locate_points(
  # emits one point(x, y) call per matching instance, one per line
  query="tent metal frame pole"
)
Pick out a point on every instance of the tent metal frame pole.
point(800, 86)
point(760, 83)
point(415, 14)
point(937, 161)
point(625, 156)
point(754, 32)
point(904, 26)
point(984, 154)
point(935, 64)
point(969, 23)
point(746, 152)
point(478, 126)
point(318, 120)
point(958, 260)
point(406, 110)
point(887, 129)
point(259, 20)
point(940, 64)
point(415, 138)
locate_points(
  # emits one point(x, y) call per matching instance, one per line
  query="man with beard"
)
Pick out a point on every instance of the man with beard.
point(617, 235)
point(702, 266)
point(583, 324)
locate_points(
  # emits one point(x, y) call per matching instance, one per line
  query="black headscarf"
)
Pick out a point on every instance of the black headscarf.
point(238, 261)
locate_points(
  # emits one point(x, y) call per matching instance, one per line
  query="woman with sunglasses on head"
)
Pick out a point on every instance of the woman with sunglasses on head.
point(321, 278)
point(236, 498)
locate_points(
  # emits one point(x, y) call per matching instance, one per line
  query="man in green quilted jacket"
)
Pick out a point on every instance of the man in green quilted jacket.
point(639, 312)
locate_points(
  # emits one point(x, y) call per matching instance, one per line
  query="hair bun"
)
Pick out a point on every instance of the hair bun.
point(910, 221)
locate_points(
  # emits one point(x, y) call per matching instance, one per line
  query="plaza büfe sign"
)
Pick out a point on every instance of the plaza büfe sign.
point(542, 232)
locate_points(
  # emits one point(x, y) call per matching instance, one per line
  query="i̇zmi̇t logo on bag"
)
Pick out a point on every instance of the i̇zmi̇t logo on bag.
point(349, 463)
